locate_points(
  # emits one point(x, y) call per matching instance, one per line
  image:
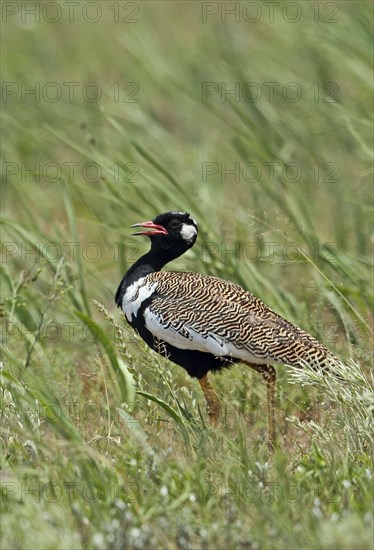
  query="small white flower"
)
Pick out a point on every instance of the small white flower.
point(98, 540)
point(120, 504)
point(164, 491)
point(115, 523)
point(135, 533)
point(317, 512)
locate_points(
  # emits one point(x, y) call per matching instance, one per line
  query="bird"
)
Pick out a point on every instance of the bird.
point(204, 323)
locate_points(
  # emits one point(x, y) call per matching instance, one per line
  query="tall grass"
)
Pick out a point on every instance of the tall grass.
point(105, 444)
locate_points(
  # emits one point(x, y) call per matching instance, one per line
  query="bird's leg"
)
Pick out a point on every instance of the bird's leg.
point(270, 378)
point(212, 401)
point(269, 375)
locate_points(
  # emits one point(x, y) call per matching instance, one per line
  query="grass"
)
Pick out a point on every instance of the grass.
point(105, 444)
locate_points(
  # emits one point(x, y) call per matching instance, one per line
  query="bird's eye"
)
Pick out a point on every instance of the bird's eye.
point(174, 224)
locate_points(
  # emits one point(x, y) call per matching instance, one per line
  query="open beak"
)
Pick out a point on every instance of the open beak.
point(155, 229)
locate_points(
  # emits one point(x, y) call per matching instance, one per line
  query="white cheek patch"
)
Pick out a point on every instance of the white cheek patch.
point(135, 296)
point(188, 232)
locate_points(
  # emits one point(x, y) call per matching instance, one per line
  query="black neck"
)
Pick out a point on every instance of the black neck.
point(149, 263)
point(146, 264)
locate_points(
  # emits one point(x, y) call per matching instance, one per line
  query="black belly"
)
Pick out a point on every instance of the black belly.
point(196, 363)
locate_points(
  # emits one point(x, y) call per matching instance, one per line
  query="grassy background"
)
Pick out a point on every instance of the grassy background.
point(104, 444)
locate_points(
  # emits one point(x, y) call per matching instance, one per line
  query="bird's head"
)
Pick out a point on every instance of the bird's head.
point(170, 232)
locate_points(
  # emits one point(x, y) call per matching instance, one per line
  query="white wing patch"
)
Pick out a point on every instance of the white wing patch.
point(192, 340)
point(135, 296)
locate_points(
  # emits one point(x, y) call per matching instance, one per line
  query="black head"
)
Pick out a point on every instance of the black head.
point(170, 232)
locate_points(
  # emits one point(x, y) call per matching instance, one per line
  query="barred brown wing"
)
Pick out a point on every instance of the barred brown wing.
point(197, 312)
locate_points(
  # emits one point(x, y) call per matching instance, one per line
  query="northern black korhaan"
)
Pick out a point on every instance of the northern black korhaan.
point(204, 323)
